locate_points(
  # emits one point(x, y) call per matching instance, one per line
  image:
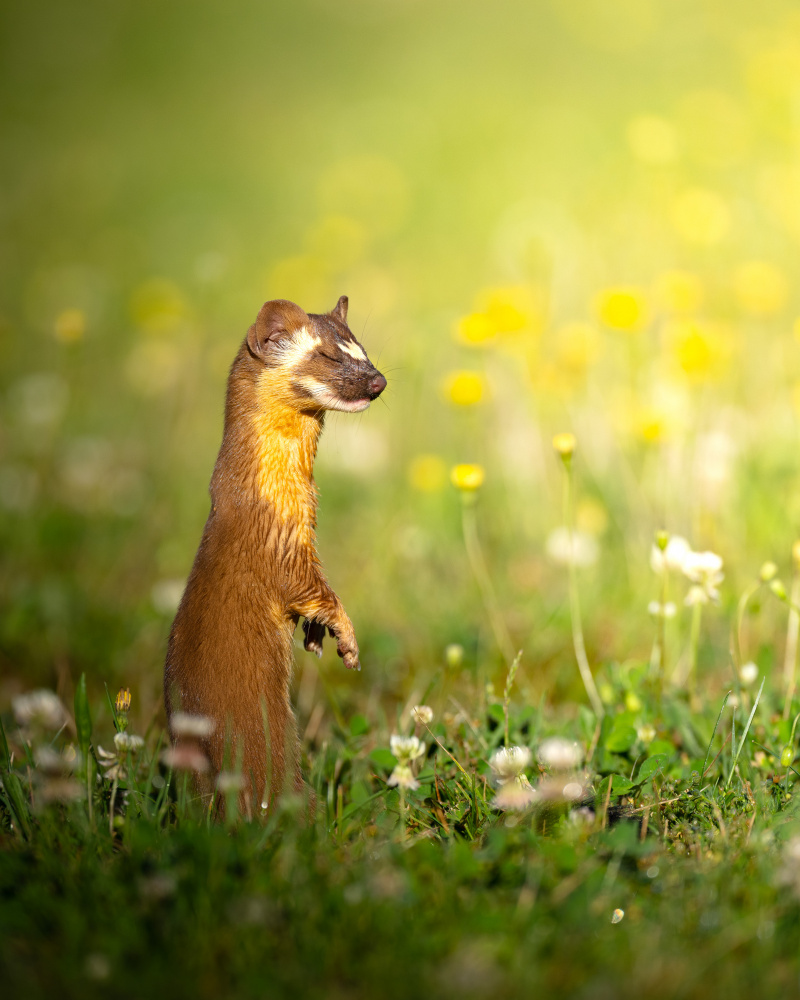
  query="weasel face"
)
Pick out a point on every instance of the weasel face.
point(317, 356)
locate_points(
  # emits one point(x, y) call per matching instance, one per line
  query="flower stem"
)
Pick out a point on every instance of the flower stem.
point(478, 564)
point(790, 656)
point(574, 602)
point(694, 641)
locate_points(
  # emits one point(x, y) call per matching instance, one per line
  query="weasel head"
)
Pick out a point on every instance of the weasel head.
point(313, 361)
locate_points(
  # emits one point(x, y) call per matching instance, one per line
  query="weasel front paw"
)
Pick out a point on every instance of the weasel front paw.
point(314, 633)
point(347, 648)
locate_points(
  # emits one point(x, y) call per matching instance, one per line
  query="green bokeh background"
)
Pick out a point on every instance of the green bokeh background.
point(166, 168)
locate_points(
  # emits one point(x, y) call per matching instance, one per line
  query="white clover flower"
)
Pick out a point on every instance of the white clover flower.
point(646, 733)
point(423, 714)
point(229, 781)
point(658, 610)
point(39, 708)
point(509, 763)
point(515, 794)
point(406, 748)
point(704, 569)
point(402, 777)
point(673, 556)
point(184, 724)
point(559, 754)
point(185, 757)
point(125, 742)
point(52, 763)
point(575, 548)
point(748, 673)
point(558, 790)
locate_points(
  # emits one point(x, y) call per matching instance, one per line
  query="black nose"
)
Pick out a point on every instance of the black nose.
point(376, 386)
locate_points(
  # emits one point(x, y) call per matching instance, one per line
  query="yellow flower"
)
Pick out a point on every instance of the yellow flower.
point(467, 477)
point(427, 473)
point(621, 308)
point(476, 328)
point(565, 444)
point(701, 216)
point(511, 308)
point(701, 350)
point(578, 346)
point(679, 292)
point(464, 388)
point(70, 326)
point(158, 306)
point(760, 287)
point(123, 702)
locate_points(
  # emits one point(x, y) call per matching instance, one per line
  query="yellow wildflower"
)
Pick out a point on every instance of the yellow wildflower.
point(701, 350)
point(578, 346)
point(70, 326)
point(464, 388)
point(158, 306)
point(476, 328)
point(621, 308)
point(427, 473)
point(565, 444)
point(467, 477)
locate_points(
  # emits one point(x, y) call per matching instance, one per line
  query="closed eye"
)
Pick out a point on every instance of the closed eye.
point(336, 361)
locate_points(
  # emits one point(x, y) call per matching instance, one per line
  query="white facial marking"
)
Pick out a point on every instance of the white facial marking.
point(323, 395)
point(292, 350)
point(352, 349)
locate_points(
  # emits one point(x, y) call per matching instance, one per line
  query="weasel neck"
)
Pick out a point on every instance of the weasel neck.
point(268, 451)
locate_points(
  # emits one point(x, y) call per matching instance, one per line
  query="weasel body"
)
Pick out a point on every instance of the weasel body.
point(230, 651)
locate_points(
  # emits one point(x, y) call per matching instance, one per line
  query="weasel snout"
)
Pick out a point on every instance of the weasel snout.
point(376, 385)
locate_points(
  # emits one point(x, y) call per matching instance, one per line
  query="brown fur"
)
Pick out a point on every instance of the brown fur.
point(256, 572)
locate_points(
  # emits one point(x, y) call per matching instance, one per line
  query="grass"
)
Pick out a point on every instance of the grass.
point(660, 857)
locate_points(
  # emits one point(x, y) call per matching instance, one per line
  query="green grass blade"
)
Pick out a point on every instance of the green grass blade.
point(716, 727)
point(746, 731)
point(83, 718)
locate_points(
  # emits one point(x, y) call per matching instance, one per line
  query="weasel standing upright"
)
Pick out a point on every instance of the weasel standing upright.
point(256, 572)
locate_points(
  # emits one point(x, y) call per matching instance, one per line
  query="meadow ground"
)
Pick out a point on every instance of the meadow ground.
point(569, 234)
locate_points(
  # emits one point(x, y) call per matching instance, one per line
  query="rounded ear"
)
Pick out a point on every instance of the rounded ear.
point(340, 309)
point(276, 319)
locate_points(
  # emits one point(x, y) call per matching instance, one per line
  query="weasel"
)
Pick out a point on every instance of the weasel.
point(256, 572)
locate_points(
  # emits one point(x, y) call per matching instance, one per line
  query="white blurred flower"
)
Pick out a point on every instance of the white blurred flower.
point(617, 915)
point(185, 757)
point(567, 547)
point(509, 763)
point(658, 610)
point(406, 748)
point(184, 724)
point(515, 794)
point(402, 777)
point(704, 569)
point(789, 872)
point(748, 673)
point(423, 714)
point(39, 708)
point(646, 733)
point(229, 781)
point(126, 742)
point(673, 556)
point(560, 754)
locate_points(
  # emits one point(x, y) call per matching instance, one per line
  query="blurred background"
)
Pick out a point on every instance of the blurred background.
point(573, 215)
